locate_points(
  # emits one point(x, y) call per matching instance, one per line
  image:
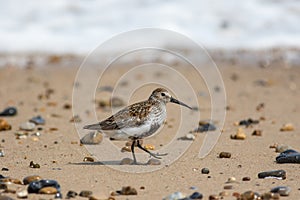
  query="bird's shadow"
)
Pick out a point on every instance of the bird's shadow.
point(110, 162)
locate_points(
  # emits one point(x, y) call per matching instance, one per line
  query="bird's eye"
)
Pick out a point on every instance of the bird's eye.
point(163, 94)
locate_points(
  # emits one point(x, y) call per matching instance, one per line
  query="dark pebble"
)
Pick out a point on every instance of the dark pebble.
point(128, 190)
point(35, 186)
point(71, 194)
point(38, 120)
point(196, 195)
point(34, 165)
point(248, 122)
point(247, 178)
point(275, 173)
point(288, 156)
point(205, 171)
point(4, 169)
point(281, 190)
point(85, 193)
point(204, 127)
point(228, 187)
point(213, 197)
point(9, 112)
point(225, 155)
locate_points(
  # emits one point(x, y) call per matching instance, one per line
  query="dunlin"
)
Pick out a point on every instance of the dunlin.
point(138, 120)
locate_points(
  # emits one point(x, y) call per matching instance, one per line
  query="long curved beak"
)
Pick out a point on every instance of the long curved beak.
point(179, 102)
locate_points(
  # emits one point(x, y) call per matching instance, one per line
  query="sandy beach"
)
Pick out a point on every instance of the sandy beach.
point(267, 93)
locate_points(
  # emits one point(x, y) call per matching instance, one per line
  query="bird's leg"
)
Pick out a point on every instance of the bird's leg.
point(132, 150)
point(152, 154)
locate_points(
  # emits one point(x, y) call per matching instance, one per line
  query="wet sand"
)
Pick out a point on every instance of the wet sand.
point(60, 154)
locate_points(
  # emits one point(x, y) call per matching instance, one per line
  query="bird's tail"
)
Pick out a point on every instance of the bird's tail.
point(93, 127)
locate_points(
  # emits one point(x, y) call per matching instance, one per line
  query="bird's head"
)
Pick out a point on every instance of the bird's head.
point(161, 94)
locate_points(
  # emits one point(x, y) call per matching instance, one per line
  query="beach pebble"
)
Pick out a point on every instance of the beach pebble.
point(85, 193)
point(22, 193)
point(126, 149)
point(1, 153)
point(270, 195)
point(48, 190)
point(92, 138)
point(126, 161)
point(249, 195)
point(149, 147)
point(224, 155)
point(29, 179)
point(281, 190)
point(288, 156)
point(153, 161)
point(240, 135)
point(228, 187)
point(205, 171)
point(246, 178)
point(9, 112)
point(287, 127)
point(34, 165)
point(281, 174)
point(27, 126)
point(4, 125)
point(196, 195)
point(231, 180)
point(205, 126)
point(35, 186)
point(38, 120)
point(257, 132)
point(248, 122)
point(188, 136)
point(213, 197)
point(128, 190)
point(71, 194)
point(175, 196)
point(88, 159)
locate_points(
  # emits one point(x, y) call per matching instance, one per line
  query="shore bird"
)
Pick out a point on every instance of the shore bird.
point(138, 120)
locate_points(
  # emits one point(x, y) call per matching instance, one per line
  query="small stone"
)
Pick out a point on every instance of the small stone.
point(246, 178)
point(67, 106)
point(85, 193)
point(223, 194)
point(257, 132)
point(213, 197)
point(270, 195)
point(175, 196)
point(260, 106)
point(281, 174)
point(231, 180)
point(126, 149)
point(34, 165)
point(4, 169)
point(36, 186)
point(1, 153)
point(228, 187)
point(22, 193)
point(224, 155)
point(29, 179)
point(188, 136)
point(88, 159)
point(92, 138)
point(196, 195)
point(48, 190)
point(153, 161)
point(287, 127)
point(288, 156)
point(240, 135)
point(205, 171)
point(27, 126)
point(128, 190)
point(126, 161)
point(236, 194)
point(9, 112)
point(249, 195)
point(4, 125)
point(205, 126)
point(71, 194)
point(281, 190)
point(38, 120)
point(248, 122)
point(149, 147)
point(58, 195)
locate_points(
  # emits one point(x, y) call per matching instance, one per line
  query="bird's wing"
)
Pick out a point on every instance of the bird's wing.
point(130, 116)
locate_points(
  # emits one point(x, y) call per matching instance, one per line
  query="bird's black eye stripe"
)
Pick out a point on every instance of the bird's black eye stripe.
point(163, 94)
